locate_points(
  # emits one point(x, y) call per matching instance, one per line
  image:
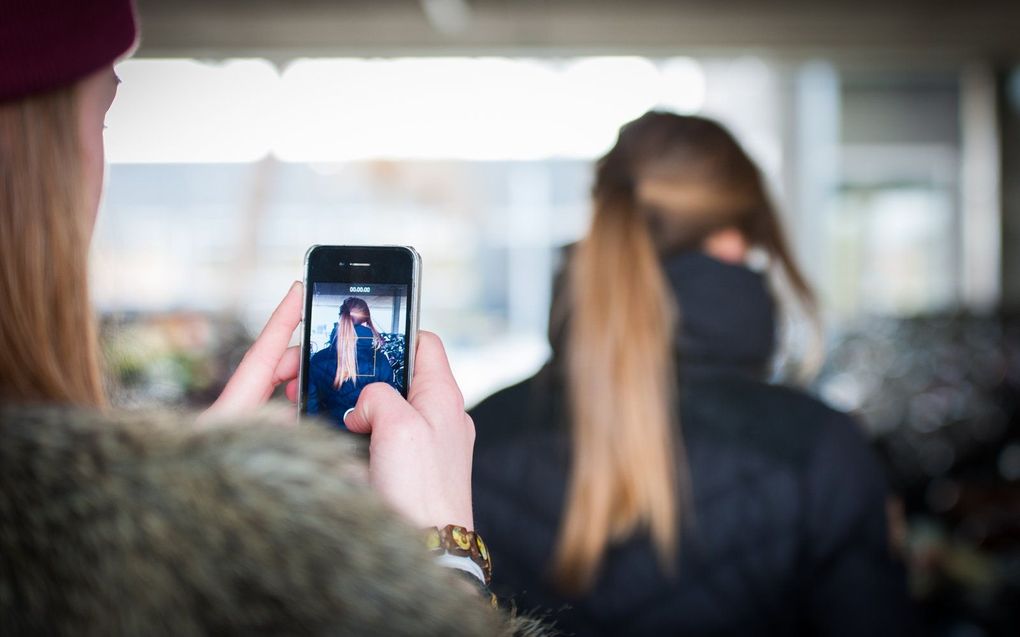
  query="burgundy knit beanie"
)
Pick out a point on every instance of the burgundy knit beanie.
point(46, 44)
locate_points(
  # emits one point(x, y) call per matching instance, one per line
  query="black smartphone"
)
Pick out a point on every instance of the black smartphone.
point(360, 325)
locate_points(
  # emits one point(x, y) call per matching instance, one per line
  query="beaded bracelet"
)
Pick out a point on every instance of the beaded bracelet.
point(458, 541)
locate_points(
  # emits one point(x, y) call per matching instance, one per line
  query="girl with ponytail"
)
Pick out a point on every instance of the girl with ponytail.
point(649, 480)
point(354, 358)
point(353, 312)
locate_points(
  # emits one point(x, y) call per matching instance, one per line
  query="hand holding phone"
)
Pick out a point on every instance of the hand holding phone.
point(268, 363)
point(421, 448)
point(360, 325)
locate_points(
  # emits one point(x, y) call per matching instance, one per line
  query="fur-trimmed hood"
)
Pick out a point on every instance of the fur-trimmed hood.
point(147, 524)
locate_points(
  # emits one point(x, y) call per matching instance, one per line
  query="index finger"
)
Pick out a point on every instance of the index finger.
point(256, 375)
point(275, 336)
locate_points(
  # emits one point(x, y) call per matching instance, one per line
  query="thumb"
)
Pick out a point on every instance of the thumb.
point(378, 405)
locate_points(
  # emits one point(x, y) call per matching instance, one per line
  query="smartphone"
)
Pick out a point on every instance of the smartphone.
point(360, 325)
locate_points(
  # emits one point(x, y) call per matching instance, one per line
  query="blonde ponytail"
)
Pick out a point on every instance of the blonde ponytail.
point(346, 351)
point(354, 311)
point(621, 388)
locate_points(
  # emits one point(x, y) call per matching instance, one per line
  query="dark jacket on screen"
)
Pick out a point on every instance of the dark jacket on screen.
point(372, 364)
point(787, 534)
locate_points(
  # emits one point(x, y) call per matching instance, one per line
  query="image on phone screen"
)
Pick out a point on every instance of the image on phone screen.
point(357, 336)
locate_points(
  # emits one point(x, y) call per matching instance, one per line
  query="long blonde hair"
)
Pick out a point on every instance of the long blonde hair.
point(49, 349)
point(353, 311)
point(669, 181)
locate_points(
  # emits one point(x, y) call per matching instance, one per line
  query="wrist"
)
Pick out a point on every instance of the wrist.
point(431, 516)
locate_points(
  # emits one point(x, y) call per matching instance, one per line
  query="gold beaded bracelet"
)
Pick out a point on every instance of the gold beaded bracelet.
point(457, 540)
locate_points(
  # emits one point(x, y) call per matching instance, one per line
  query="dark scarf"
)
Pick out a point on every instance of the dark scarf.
point(727, 316)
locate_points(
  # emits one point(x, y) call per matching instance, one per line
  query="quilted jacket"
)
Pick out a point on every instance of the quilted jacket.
point(785, 534)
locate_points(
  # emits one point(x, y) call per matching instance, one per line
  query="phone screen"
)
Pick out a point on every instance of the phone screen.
point(356, 334)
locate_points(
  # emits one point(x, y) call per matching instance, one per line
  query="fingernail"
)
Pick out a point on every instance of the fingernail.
point(347, 413)
point(293, 286)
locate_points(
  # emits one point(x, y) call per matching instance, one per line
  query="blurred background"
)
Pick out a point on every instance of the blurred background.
point(247, 130)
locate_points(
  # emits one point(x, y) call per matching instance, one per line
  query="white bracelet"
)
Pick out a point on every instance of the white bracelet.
point(461, 563)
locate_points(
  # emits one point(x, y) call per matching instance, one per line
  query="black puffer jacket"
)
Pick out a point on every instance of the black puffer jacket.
point(788, 533)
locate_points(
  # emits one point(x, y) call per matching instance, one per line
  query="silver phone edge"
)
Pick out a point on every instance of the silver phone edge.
point(412, 339)
point(304, 308)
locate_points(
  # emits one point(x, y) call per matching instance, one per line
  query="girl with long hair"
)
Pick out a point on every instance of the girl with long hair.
point(649, 480)
point(56, 84)
point(354, 359)
point(354, 313)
